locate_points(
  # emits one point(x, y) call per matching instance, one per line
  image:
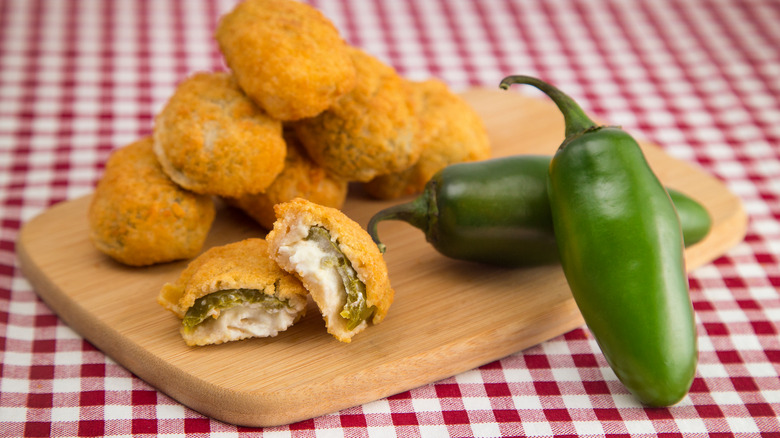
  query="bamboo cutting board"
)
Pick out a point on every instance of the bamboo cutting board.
point(448, 316)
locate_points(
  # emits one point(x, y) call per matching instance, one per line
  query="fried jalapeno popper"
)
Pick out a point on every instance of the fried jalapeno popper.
point(301, 178)
point(450, 131)
point(287, 56)
point(370, 130)
point(212, 139)
point(139, 217)
point(337, 262)
point(233, 292)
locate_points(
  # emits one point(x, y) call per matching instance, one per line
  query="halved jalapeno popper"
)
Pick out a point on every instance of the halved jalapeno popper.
point(233, 292)
point(337, 262)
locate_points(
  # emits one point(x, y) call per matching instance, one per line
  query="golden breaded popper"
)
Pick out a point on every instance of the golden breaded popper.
point(370, 130)
point(301, 178)
point(233, 292)
point(212, 139)
point(337, 262)
point(139, 217)
point(287, 56)
point(450, 131)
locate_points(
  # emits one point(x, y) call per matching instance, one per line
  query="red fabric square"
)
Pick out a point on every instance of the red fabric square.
point(716, 329)
point(761, 410)
point(763, 328)
point(585, 360)
point(46, 320)
point(353, 421)
point(699, 385)
point(143, 425)
point(92, 398)
point(404, 418)
point(748, 304)
point(92, 428)
point(709, 411)
point(37, 429)
point(557, 415)
point(40, 400)
point(729, 356)
point(40, 372)
point(607, 414)
point(536, 361)
point(141, 397)
point(497, 390)
point(744, 384)
point(44, 346)
point(93, 370)
point(197, 425)
point(506, 415)
point(495, 365)
point(658, 413)
point(455, 417)
point(444, 390)
point(303, 425)
point(547, 388)
point(596, 387)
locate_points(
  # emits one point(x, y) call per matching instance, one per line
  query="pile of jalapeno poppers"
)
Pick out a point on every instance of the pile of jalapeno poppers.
point(597, 208)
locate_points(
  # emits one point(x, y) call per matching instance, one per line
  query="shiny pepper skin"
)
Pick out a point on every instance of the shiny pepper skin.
point(497, 212)
point(621, 249)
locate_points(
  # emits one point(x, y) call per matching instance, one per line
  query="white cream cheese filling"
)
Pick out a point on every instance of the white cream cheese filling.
point(242, 322)
point(324, 283)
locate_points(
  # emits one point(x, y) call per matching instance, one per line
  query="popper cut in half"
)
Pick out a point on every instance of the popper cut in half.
point(337, 262)
point(233, 292)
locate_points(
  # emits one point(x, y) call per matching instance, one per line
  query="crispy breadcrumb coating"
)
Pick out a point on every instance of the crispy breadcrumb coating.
point(287, 56)
point(211, 139)
point(301, 178)
point(294, 221)
point(139, 217)
point(450, 131)
point(370, 130)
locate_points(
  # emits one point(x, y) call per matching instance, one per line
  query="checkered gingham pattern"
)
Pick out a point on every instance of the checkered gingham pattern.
point(79, 78)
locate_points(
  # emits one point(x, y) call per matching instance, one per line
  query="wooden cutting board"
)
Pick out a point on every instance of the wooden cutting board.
point(448, 316)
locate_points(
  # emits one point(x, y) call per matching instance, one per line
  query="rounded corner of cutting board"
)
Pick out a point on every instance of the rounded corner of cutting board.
point(422, 346)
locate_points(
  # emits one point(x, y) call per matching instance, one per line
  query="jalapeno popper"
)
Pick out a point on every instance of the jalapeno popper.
point(287, 56)
point(450, 131)
point(337, 262)
point(234, 292)
point(212, 139)
point(301, 178)
point(368, 131)
point(139, 217)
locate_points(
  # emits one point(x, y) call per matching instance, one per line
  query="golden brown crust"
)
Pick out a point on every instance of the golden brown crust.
point(301, 178)
point(370, 130)
point(241, 265)
point(139, 217)
point(353, 241)
point(450, 131)
point(287, 56)
point(210, 138)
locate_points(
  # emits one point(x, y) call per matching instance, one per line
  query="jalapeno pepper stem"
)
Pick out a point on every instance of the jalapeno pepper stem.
point(574, 117)
point(414, 212)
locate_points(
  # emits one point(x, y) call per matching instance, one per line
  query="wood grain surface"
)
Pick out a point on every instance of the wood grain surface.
point(448, 316)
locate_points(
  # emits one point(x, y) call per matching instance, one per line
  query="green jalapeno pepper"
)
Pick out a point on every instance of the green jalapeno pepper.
point(621, 249)
point(497, 212)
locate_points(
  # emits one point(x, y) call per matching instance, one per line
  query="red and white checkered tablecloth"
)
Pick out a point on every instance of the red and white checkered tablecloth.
point(701, 78)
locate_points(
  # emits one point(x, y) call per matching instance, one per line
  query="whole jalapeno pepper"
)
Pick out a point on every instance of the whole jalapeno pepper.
point(621, 250)
point(497, 212)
